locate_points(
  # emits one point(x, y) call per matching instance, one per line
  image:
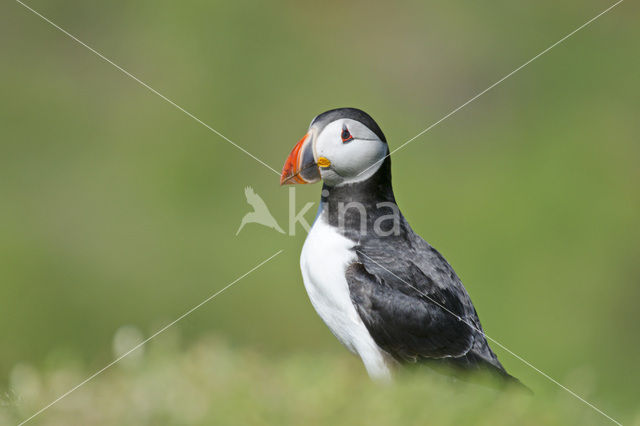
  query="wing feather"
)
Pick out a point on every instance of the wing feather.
point(404, 321)
point(414, 305)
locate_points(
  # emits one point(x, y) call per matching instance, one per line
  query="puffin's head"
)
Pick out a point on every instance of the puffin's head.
point(343, 145)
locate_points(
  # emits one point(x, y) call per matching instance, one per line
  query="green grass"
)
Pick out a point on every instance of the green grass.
point(213, 383)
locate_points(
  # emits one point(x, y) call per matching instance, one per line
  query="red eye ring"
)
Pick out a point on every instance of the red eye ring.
point(346, 136)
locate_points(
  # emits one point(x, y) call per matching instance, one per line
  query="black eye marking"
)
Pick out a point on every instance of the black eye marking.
point(346, 136)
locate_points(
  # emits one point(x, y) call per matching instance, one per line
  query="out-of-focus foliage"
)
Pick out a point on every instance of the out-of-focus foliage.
point(116, 208)
point(212, 383)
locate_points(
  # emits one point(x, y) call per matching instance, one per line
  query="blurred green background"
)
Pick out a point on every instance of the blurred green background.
point(118, 209)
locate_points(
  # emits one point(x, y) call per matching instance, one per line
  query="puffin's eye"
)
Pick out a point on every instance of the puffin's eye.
point(346, 136)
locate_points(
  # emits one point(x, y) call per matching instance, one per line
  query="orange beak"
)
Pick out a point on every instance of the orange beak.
point(301, 166)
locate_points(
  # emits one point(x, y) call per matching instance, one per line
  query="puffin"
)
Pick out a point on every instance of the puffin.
point(385, 293)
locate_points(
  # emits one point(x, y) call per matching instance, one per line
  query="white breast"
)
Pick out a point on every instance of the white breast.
point(324, 259)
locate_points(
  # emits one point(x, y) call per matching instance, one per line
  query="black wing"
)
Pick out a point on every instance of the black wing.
point(395, 287)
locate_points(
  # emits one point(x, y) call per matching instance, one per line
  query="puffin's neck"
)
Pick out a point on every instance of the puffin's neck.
point(355, 207)
point(375, 189)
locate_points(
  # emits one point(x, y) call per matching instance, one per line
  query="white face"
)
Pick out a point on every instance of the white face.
point(354, 159)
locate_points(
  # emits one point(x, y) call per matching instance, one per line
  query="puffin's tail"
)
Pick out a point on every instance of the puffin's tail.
point(514, 382)
point(491, 372)
point(495, 368)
